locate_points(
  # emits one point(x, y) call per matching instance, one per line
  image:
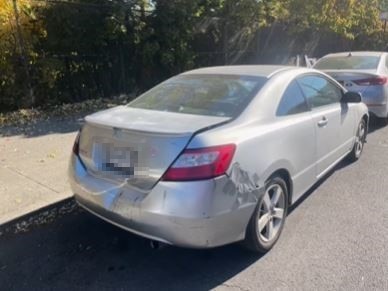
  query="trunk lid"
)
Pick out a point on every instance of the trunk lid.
point(137, 145)
point(347, 78)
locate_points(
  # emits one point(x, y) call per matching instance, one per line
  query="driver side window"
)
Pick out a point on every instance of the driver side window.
point(319, 91)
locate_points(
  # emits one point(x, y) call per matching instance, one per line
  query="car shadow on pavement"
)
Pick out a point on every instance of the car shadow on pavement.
point(376, 124)
point(42, 127)
point(80, 251)
point(342, 164)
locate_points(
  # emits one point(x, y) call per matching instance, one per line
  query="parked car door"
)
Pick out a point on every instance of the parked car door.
point(298, 133)
point(334, 121)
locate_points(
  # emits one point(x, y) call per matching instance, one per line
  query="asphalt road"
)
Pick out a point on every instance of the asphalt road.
point(336, 238)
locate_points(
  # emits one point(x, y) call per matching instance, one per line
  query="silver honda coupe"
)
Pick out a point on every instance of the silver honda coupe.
point(216, 155)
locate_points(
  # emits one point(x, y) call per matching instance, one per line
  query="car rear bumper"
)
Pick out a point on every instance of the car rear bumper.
point(197, 214)
point(375, 98)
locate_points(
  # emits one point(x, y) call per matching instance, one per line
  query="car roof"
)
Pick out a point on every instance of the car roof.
point(357, 53)
point(246, 70)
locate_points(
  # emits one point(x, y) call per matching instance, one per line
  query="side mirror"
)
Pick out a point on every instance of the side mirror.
point(351, 97)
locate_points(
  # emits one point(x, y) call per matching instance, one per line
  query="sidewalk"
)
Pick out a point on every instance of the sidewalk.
point(33, 166)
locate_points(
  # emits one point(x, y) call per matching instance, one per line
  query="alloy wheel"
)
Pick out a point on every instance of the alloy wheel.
point(271, 213)
point(360, 139)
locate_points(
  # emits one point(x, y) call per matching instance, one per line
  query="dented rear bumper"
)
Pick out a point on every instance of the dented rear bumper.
point(196, 214)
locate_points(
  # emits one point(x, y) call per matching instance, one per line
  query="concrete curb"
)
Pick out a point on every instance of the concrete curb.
point(41, 216)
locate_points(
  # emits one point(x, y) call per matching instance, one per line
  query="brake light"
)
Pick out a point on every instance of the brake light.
point(202, 163)
point(372, 81)
point(76, 144)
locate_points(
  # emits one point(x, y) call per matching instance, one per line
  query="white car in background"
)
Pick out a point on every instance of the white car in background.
point(363, 72)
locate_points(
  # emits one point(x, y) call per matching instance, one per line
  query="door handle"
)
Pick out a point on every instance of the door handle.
point(323, 121)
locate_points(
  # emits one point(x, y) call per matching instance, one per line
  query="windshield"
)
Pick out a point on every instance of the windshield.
point(214, 95)
point(348, 63)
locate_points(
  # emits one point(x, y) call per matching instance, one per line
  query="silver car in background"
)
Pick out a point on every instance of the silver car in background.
point(363, 72)
point(216, 155)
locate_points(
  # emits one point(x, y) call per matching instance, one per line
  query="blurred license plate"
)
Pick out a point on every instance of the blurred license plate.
point(119, 157)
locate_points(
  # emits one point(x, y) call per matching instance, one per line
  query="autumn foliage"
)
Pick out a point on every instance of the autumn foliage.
point(63, 51)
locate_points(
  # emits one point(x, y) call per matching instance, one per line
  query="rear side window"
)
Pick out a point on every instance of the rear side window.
point(213, 95)
point(348, 63)
point(319, 91)
point(292, 101)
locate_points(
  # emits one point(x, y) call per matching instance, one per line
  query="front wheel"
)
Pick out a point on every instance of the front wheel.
point(268, 219)
point(358, 147)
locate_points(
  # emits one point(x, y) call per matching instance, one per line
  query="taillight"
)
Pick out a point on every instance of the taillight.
point(371, 81)
point(202, 163)
point(76, 144)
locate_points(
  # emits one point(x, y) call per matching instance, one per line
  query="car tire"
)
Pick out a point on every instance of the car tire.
point(358, 147)
point(267, 221)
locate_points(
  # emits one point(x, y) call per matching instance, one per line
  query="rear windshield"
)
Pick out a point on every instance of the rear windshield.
point(348, 63)
point(214, 95)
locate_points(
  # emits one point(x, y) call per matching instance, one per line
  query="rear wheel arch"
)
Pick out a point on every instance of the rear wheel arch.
point(285, 175)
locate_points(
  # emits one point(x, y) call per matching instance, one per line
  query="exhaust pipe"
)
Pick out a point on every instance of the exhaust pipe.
point(157, 245)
